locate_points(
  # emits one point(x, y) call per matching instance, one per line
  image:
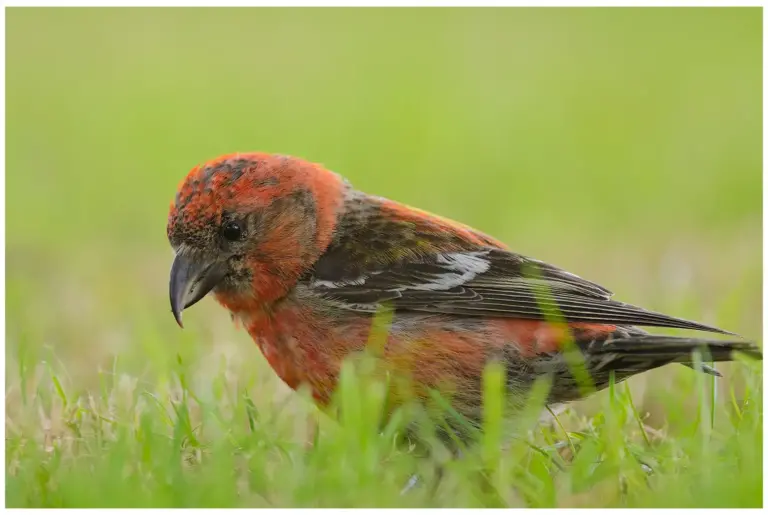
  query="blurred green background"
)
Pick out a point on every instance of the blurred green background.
point(622, 144)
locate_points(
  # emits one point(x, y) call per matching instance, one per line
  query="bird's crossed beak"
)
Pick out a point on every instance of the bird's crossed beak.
point(191, 279)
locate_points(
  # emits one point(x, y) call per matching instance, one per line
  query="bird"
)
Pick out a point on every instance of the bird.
point(307, 264)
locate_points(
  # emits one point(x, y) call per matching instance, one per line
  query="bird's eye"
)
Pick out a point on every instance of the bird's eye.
point(232, 231)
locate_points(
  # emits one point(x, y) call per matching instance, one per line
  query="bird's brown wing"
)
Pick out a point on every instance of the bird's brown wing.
point(487, 282)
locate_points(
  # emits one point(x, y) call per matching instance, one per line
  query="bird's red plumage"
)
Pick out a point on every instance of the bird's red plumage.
point(315, 260)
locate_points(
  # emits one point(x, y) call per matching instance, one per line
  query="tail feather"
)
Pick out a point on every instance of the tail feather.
point(704, 368)
point(641, 353)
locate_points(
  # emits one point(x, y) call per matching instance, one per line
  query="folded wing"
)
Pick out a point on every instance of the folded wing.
point(488, 282)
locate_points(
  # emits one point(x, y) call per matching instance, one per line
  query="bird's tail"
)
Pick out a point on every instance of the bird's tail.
point(637, 354)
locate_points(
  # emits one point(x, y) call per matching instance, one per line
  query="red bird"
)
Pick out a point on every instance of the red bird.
point(305, 261)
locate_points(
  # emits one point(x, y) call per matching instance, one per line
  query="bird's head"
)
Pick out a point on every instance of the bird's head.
point(247, 226)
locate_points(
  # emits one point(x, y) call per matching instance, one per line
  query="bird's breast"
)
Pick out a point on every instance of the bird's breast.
point(301, 347)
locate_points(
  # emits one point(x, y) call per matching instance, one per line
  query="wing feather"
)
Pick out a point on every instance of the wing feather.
point(490, 282)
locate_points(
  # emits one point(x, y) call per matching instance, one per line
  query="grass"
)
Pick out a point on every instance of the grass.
point(194, 442)
point(573, 135)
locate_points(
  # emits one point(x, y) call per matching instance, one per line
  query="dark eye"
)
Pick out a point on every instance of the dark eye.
point(232, 231)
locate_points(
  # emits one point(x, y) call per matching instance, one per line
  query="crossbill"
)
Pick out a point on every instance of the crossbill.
point(304, 262)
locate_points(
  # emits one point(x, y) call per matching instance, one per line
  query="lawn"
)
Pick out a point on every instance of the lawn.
point(623, 145)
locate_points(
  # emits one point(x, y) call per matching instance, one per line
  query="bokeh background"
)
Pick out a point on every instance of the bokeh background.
point(621, 144)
